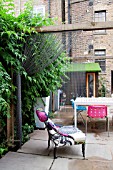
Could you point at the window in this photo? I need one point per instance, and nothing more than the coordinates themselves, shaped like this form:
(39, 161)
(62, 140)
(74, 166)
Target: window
(100, 52)
(101, 58)
(100, 16)
(63, 10)
(101, 63)
(39, 10)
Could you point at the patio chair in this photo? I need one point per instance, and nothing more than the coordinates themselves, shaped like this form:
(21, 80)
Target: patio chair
(62, 135)
(98, 112)
(79, 109)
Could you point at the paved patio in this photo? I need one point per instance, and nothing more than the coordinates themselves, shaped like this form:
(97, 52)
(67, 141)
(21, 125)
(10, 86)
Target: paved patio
(34, 155)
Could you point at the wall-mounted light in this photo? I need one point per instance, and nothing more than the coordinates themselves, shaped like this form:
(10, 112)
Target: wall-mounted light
(91, 2)
(90, 46)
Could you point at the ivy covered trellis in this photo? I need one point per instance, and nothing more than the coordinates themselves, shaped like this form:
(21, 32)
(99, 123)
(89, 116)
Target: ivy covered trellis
(30, 60)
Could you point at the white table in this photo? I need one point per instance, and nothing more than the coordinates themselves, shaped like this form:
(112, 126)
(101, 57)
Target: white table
(86, 101)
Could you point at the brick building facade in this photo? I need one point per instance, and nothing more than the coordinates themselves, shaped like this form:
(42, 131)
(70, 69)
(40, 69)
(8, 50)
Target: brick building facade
(85, 46)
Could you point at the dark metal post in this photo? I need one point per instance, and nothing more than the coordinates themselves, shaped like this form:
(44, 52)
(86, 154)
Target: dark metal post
(69, 33)
(63, 21)
(69, 13)
(49, 8)
(63, 10)
(18, 111)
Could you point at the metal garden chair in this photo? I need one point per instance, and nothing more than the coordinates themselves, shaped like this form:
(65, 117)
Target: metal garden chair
(62, 135)
(98, 112)
(79, 109)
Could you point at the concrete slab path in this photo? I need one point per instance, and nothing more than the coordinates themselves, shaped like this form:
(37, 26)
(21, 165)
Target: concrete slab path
(34, 155)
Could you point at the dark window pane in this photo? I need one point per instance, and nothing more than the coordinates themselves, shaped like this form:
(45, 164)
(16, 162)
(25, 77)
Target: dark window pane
(102, 64)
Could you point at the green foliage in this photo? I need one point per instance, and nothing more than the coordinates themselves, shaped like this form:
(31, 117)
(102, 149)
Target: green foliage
(14, 34)
(102, 87)
(5, 93)
(29, 19)
(51, 115)
(27, 129)
(3, 150)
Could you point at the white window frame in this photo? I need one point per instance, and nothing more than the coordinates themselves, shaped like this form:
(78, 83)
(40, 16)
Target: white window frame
(40, 9)
(100, 16)
(100, 53)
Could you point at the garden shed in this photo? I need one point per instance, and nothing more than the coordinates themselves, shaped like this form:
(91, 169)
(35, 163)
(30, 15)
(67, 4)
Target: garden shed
(83, 80)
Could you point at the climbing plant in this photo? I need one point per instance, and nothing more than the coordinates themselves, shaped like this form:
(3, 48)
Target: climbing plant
(14, 35)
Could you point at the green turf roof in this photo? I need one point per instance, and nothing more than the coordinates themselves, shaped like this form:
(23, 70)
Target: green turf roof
(84, 67)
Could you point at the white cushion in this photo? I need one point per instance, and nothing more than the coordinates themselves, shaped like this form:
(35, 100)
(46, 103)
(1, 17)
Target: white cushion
(78, 136)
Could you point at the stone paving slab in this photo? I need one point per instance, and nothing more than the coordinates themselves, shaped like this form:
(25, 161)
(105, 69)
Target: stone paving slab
(61, 164)
(39, 134)
(98, 151)
(34, 155)
(19, 161)
(89, 165)
(38, 147)
(96, 146)
(77, 164)
(100, 138)
(74, 151)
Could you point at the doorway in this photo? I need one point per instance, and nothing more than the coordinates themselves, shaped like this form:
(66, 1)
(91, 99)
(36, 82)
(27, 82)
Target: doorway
(91, 84)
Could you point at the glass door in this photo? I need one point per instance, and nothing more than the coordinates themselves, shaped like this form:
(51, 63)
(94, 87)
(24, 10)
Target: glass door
(90, 84)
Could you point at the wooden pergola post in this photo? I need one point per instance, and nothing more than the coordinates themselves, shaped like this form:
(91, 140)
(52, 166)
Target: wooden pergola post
(89, 26)
(10, 120)
(10, 125)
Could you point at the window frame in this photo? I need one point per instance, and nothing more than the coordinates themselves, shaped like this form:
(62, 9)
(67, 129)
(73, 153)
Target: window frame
(101, 17)
(101, 58)
(101, 52)
(39, 9)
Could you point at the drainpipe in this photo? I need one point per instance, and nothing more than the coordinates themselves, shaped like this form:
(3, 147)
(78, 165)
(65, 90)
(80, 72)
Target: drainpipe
(69, 16)
(69, 33)
(63, 21)
(49, 8)
(63, 10)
